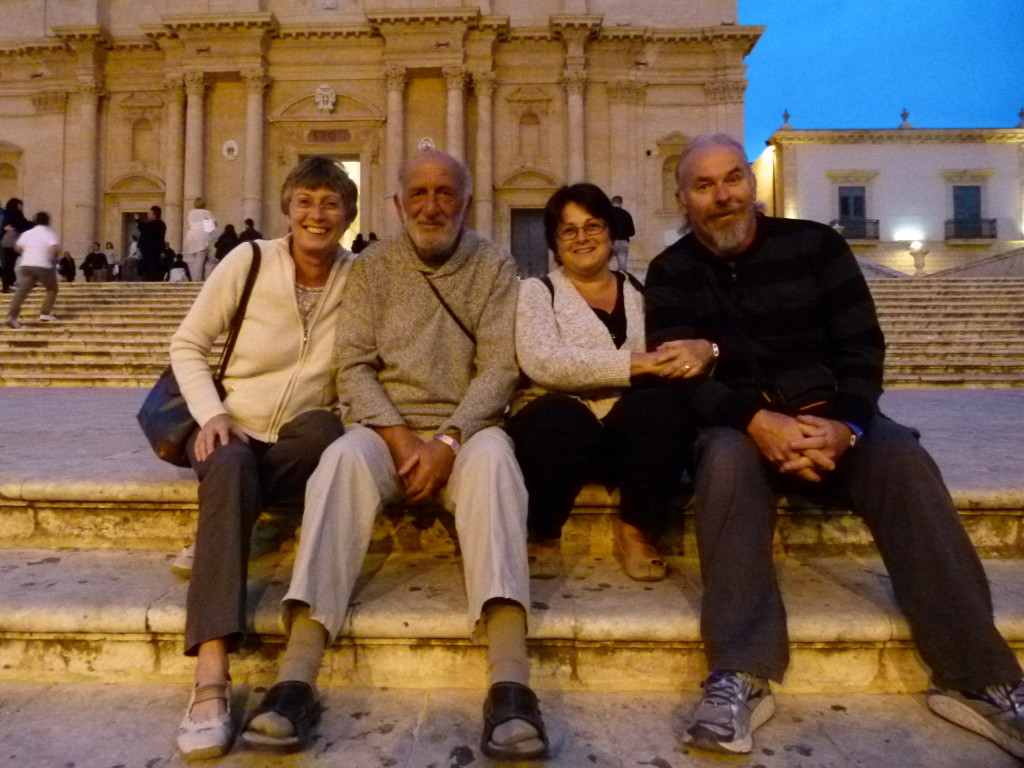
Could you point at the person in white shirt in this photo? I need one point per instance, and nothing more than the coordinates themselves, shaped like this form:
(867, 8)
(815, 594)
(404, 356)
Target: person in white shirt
(37, 264)
(198, 235)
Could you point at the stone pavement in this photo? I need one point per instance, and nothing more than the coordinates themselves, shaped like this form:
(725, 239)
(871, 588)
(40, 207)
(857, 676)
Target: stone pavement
(132, 726)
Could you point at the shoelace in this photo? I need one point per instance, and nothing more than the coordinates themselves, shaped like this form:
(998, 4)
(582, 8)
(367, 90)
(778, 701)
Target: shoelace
(726, 687)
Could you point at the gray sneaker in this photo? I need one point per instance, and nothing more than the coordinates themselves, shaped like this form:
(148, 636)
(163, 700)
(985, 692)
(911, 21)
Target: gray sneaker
(735, 704)
(997, 712)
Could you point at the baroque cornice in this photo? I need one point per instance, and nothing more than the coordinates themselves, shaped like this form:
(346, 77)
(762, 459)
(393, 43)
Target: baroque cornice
(583, 23)
(325, 31)
(427, 16)
(899, 136)
(82, 34)
(28, 48)
(227, 22)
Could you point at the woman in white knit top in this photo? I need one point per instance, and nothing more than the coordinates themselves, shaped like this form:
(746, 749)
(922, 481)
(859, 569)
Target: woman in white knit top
(261, 434)
(580, 341)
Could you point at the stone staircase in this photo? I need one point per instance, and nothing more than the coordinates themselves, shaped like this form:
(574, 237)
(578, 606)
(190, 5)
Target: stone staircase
(966, 332)
(89, 521)
(940, 332)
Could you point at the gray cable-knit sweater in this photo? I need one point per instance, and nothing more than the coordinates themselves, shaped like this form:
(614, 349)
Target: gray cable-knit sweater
(402, 359)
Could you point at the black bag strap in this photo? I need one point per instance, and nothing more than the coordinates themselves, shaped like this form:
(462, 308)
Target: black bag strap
(449, 310)
(239, 316)
(629, 276)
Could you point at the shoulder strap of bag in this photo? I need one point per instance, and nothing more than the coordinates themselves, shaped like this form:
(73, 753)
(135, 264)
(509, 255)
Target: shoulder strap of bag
(551, 287)
(449, 310)
(236, 319)
(633, 281)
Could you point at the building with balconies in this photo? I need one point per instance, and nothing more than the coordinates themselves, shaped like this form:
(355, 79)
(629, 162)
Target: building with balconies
(919, 200)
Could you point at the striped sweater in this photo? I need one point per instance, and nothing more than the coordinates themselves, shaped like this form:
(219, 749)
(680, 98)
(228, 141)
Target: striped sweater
(799, 299)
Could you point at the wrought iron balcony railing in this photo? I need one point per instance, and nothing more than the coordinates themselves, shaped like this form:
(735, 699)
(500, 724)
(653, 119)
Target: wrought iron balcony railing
(857, 229)
(970, 229)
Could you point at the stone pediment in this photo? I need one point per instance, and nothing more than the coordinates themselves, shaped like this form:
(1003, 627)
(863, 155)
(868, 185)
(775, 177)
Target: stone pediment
(142, 100)
(345, 108)
(529, 178)
(136, 183)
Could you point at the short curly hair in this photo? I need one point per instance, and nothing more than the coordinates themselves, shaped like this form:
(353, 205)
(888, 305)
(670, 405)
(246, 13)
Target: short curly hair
(319, 172)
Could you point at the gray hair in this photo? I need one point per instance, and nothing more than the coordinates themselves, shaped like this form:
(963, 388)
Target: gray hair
(319, 172)
(461, 171)
(703, 141)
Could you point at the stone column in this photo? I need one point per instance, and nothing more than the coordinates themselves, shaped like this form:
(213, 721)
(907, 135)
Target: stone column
(195, 88)
(394, 77)
(483, 192)
(455, 123)
(624, 100)
(174, 136)
(256, 82)
(84, 201)
(575, 81)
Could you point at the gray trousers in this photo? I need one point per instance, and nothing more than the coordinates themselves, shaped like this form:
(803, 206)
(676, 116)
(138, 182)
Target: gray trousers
(235, 483)
(892, 483)
(27, 279)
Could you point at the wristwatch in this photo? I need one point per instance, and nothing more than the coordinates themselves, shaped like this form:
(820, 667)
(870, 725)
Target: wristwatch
(450, 441)
(856, 433)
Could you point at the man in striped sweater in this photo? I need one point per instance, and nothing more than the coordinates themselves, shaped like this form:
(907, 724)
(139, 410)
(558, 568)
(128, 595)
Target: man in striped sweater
(793, 401)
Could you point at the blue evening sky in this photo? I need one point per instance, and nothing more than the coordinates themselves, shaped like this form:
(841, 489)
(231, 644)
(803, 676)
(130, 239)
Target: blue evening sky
(858, 63)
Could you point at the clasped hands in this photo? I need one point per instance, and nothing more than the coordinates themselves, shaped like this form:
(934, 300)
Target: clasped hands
(805, 446)
(424, 466)
(681, 359)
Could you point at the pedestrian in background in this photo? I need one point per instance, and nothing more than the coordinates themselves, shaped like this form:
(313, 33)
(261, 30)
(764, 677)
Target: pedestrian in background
(66, 268)
(38, 249)
(14, 223)
(226, 242)
(200, 226)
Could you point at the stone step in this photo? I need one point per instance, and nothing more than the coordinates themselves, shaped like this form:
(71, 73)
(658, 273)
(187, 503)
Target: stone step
(85, 725)
(61, 380)
(115, 615)
(954, 381)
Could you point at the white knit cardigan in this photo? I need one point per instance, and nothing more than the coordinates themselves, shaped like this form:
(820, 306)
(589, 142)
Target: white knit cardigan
(562, 346)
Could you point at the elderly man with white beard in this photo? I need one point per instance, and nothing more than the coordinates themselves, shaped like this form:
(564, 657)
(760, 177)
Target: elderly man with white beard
(426, 367)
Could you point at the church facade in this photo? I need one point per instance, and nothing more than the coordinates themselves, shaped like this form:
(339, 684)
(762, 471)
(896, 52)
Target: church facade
(110, 106)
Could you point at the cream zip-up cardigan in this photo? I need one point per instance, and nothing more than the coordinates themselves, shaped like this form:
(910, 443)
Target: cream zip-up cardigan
(277, 370)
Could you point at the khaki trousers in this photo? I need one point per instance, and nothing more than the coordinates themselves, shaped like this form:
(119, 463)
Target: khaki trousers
(356, 478)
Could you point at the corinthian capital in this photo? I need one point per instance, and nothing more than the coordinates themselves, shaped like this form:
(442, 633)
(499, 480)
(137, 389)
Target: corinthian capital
(394, 77)
(195, 83)
(575, 80)
(483, 83)
(455, 78)
(256, 80)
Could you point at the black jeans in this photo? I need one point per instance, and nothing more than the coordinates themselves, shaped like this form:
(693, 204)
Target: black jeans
(235, 483)
(894, 484)
(641, 447)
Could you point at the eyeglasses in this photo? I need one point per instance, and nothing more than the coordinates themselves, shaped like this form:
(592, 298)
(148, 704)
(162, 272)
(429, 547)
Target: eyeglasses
(570, 232)
(327, 205)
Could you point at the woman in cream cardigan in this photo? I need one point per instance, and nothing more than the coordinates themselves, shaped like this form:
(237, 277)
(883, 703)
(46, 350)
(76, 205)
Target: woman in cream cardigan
(260, 441)
(589, 413)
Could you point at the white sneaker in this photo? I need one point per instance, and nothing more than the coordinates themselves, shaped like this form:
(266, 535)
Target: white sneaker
(210, 738)
(48, 318)
(182, 565)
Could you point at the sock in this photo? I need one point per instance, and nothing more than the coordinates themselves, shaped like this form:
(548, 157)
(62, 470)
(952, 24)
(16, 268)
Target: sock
(507, 662)
(307, 642)
(506, 643)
